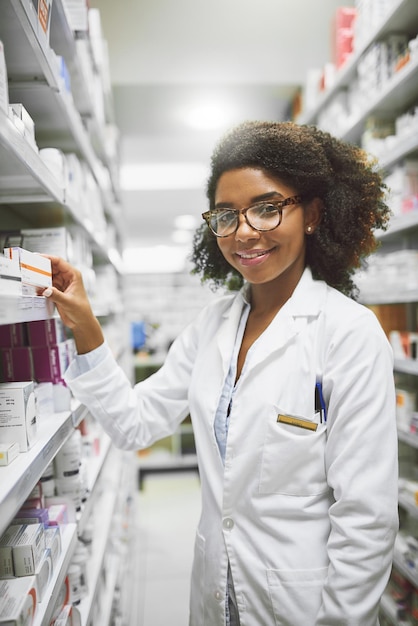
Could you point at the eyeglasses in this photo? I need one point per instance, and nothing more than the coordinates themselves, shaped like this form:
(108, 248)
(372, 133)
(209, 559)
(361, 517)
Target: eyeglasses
(262, 216)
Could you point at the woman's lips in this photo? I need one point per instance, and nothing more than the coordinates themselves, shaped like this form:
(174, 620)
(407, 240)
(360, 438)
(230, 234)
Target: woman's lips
(253, 257)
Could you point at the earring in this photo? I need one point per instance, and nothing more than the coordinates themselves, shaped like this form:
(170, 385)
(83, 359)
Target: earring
(309, 230)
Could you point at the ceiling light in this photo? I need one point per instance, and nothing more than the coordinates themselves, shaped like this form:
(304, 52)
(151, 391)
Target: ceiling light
(155, 259)
(185, 222)
(155, 176)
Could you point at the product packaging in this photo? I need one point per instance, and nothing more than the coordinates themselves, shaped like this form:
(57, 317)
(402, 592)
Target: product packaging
(6, 552)
(25, 123)
(18, 423)
(28, 549)
(46, 332)
(8, 452)
(18, 600)
(43, 574)
(53, 543)
(35, 270)
(16, 364)
(4, 89)
(50, 362)
(10, 278)
(12, 335)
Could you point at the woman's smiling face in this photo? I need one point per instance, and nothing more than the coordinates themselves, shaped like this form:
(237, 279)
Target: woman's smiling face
(262, 257)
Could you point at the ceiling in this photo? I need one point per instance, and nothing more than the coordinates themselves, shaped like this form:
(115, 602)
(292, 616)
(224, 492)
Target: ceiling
(234, 58)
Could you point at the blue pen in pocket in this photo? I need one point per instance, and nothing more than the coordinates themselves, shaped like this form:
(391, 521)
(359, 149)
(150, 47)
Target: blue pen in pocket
(320, 403)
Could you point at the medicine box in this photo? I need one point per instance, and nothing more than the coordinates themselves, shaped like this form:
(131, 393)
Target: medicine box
(10, 278)
(35, 270)
(28, 549)
(18, 423)
(53, 543)
(18, 601)
(43, 574)
(50, 362)
(6, 552)
(8, 452)
(46, 332)
(16, 364)
(12, 335)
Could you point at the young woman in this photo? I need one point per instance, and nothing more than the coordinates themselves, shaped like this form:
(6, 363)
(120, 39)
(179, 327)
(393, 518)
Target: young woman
(288, 382)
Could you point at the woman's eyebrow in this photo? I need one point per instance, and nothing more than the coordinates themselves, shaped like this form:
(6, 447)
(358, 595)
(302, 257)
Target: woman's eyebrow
(259, 198)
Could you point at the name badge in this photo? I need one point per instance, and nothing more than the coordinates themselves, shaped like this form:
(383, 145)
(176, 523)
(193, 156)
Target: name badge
(299, 422)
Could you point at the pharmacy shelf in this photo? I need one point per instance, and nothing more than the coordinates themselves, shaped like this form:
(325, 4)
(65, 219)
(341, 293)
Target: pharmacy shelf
(28, 57)
(410, 438)
(391, 298)
(401, 148)
(104, 509)
(23, 174)
(45, 609)
(399, 225)
(401, 16)
(19, 478)
(94, 468)
(398, 93)
(14, 309)
(410, 573)
(408, 503)
(407, 366)
(389, 609)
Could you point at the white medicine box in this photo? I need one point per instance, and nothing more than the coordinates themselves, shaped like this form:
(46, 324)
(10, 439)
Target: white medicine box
(18, 419)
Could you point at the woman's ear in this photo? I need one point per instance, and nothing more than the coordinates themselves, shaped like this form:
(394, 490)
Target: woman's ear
(313, 215)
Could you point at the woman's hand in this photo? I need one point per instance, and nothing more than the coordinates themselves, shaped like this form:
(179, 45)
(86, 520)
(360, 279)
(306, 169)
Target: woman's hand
(70, 297)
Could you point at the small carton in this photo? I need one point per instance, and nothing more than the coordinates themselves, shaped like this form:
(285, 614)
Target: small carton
(18, 420)
(50, 362)
(8, 452)
(18, 601)
(10, 277)
(53, 543)
(28, 549)
(46, 332)
(6, 552)
(43, 574)
(35, 270)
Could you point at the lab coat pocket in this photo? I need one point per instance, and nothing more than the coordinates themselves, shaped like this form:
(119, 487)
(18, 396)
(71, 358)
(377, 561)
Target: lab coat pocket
(296, 595)
(293, 460)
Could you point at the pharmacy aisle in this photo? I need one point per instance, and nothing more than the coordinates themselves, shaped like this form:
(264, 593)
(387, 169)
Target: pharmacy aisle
(168, 508)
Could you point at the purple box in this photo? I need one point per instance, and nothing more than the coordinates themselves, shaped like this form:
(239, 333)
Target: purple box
(12, 335)
(50, 363)
(16, 364)
(46, 332)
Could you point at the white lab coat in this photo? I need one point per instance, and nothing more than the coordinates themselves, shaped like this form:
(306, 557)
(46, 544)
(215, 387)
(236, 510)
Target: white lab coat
(306, 519)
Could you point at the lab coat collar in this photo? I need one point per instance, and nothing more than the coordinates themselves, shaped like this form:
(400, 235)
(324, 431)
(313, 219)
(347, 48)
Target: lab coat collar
(306, 301)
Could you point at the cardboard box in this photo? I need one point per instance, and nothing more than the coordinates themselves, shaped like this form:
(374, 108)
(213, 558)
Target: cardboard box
(6, 552)
(13, 335)
(43, 574)
(50, 362)
(35, 270)
(10, 277)
(28, 549)
(18, 419)
(8, 452)
(53, 543)
(46, 332)
(18, 600)
(16, 364)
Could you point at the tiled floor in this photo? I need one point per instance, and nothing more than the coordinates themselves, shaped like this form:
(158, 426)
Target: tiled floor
(168, 512)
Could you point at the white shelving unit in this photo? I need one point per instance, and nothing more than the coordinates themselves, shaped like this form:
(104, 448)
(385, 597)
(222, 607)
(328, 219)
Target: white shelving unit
(395, 97)
(31, 196)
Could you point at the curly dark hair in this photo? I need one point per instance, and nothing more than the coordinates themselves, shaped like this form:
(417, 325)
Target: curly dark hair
(317, 165)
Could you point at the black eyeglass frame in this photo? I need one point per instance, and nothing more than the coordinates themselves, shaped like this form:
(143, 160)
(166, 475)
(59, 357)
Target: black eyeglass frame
(278, 204)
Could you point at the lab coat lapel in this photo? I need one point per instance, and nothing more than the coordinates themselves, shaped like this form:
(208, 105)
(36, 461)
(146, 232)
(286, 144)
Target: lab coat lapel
(225, 337)
(306, 301)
